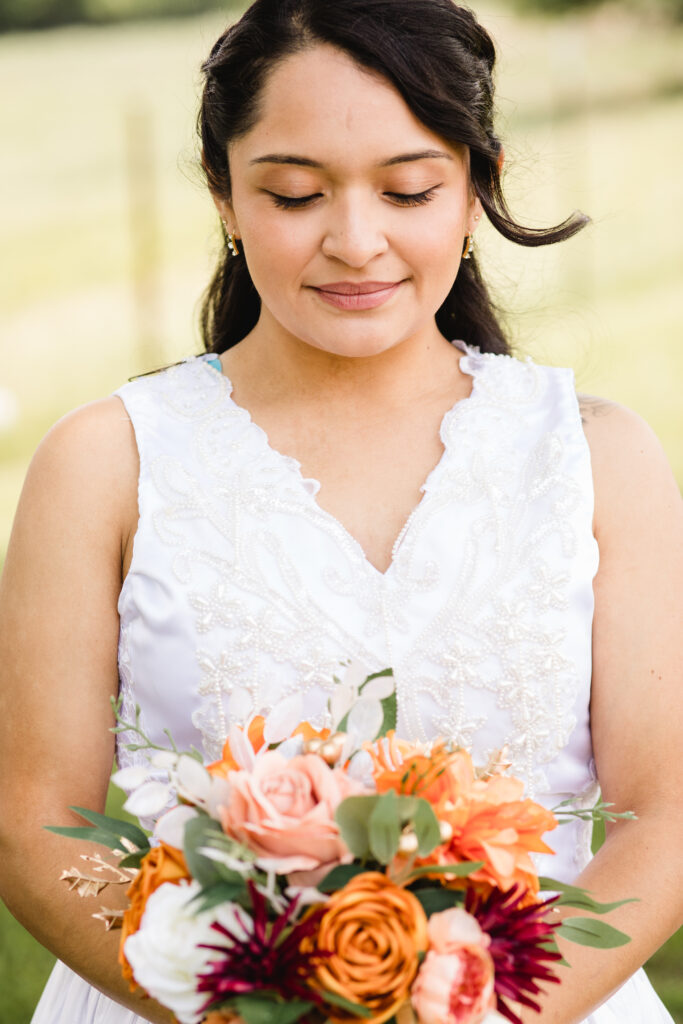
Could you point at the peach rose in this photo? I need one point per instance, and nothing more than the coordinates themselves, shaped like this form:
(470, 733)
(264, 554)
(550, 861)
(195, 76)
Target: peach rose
(455, 982)
(162, 864)
(283, 810)
(454, 988)
(372, 933)
(450, 929)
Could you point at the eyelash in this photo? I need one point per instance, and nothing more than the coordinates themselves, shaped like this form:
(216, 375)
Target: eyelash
(401, 198)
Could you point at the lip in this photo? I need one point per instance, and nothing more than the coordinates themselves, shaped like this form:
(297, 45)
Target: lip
(357, 295)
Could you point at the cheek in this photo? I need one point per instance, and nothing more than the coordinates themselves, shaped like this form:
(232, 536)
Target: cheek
(278, 245)
(436, 251)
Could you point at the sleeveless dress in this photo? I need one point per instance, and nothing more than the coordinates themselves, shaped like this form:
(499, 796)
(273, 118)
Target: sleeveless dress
(242, 590)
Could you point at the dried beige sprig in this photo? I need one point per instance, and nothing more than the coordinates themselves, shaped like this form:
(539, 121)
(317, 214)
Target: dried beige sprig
(92, 884)
(112, 918)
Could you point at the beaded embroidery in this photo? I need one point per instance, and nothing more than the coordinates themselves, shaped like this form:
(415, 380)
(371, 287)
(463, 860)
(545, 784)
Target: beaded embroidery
(472, 613)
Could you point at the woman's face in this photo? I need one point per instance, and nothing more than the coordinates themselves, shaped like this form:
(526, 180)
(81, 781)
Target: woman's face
(351, 213)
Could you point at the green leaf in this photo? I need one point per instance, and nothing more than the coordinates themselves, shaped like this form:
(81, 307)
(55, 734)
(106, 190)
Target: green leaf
(426, 827)
(384, 828)
(87, 834)
(390, 709)
(334, 999)
(586, 931)
(389, 704)
(116, 827)
(572, 896)
(133, 860)
(352, 816)
(435, 900)
(220, 892)
(198, 832)
(260, 1008)
(459, 870)
(339, 876)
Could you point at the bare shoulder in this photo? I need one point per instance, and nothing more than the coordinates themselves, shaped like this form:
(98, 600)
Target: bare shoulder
(631, 472)
(86, 468)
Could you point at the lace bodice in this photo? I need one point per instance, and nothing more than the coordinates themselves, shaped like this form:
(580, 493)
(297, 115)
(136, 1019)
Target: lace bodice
(242, 589)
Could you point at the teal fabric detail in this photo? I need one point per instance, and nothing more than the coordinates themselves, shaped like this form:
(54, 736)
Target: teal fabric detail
(216, 363)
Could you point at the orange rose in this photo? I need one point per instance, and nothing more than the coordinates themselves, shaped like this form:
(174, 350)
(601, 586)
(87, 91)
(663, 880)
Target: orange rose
(162, 864)
(371, 933)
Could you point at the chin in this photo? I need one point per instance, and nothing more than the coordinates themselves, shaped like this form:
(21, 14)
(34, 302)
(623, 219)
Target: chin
(354, 348)
(362, 339)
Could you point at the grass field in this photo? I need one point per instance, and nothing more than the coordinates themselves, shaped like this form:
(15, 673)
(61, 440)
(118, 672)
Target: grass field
(589, 108)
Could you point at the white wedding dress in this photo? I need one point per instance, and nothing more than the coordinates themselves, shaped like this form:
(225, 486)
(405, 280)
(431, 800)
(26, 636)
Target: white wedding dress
(242, 589)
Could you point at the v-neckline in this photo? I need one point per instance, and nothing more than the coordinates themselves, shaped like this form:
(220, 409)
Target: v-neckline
(310, 487)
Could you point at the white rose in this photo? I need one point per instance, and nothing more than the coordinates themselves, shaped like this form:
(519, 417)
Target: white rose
(165, 953)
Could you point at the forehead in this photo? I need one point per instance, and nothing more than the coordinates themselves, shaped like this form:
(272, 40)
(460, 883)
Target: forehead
(321, 104)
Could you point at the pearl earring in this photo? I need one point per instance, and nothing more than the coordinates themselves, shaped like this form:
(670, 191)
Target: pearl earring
(232, 241)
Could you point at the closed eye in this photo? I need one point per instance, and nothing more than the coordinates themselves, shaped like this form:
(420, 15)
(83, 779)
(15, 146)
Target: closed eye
(293, 202)
(400, 198)
(413, 198)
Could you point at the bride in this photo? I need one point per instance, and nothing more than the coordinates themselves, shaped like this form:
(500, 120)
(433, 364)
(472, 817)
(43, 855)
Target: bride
(357, 467)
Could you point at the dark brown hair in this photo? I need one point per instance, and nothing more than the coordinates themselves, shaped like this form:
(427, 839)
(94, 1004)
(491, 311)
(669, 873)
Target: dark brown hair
(440, 60)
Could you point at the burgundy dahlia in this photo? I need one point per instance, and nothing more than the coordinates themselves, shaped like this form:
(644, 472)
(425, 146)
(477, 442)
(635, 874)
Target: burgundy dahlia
(519, 945)
(269, 958)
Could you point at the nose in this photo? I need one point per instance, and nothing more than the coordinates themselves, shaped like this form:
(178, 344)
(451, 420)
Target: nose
(354, 232)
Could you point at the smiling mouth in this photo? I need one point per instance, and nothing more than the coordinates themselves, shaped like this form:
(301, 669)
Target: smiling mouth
(350, 295)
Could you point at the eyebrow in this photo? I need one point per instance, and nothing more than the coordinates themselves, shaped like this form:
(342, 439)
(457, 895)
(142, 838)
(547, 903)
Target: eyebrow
(302, 161)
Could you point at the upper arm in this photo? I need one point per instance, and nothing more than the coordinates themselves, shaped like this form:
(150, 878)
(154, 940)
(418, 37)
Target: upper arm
(58, 614)
(636, 704)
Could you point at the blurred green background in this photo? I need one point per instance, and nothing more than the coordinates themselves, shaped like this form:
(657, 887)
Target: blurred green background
(108, 237)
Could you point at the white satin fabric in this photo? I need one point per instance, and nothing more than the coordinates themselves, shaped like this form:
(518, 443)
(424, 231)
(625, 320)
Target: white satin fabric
(242, 589)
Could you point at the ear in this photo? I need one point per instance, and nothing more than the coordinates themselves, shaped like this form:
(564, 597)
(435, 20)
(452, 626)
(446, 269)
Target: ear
(226, 214)
(476, 211)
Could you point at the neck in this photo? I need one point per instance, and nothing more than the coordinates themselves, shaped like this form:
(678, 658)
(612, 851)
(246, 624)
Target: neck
(282, 366)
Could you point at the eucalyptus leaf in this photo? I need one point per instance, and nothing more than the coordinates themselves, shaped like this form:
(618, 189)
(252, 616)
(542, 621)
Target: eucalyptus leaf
(407, 808)
(384, 828)
(198, 833)
(426, 827)
(352, 816)
(586, 931)
(573, 896)
(87, 834)
(125, 829)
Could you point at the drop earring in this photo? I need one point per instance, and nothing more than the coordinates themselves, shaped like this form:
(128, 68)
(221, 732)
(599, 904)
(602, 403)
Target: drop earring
(469, 245)
(231, 240)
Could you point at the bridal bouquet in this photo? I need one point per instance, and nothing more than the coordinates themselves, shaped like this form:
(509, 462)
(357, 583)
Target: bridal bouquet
(343, 874)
